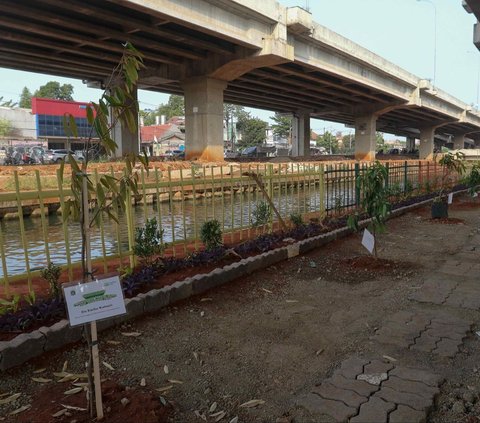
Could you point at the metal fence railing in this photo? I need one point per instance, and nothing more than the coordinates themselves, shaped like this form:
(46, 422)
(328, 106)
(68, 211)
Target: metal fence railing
(33, 232)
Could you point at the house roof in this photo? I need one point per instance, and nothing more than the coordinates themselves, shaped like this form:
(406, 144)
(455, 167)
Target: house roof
(158, 132)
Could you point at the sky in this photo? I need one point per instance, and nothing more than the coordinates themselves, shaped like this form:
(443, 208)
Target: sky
(401, 31)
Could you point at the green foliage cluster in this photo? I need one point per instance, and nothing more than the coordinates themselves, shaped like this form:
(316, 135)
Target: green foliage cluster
(374, 199)
(175, 106)
(282, 126)
(472, 180)
(53, 89)
(10, 306)
(453, 165)
(329, 142)
(117, 103)
(253, 131)
(211, 234)
(5, 127)
(25, 99)
(51, 274)
(297, 220)
(261, 214)
(149, 241)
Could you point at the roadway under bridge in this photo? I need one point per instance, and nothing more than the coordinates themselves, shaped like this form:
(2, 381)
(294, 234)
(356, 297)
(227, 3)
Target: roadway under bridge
(246, 52)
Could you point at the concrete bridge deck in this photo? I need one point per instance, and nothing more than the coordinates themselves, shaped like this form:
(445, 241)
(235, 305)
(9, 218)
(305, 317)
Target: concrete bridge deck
(258, 54)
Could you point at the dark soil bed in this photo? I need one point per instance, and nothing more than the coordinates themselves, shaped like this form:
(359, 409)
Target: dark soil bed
(448, 221)
(142, 405)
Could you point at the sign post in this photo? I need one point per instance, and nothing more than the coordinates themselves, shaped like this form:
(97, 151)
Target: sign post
(87, 303)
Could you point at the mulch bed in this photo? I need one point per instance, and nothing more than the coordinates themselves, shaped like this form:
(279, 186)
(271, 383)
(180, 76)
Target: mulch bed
(143, 405)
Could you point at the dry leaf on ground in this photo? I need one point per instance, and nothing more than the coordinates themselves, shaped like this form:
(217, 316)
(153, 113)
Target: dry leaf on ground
(252, 403)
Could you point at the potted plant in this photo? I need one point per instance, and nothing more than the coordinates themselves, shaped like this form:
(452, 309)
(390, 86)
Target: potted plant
(452, 166)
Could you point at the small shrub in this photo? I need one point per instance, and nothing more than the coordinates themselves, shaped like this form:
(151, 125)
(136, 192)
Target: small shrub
(148, 241)
(297, 220)
(211, 234)
(472, 180)
(374, 200)
(338, 204)
(10, 306)
(51, 274)
(261, 214)
(408, 189)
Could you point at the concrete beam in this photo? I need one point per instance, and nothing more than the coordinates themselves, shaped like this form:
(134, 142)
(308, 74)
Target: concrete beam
(427, 137)
(301, 134)
(365, 137)
(245, 22)
(204, 118)
(410, 144)
(459, 141)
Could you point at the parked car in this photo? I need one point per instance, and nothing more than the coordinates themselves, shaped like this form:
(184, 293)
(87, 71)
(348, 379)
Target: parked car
(249, 152)
(394, 151)
(56, 156)
(178, 154)
(230, 154)
(3, 155)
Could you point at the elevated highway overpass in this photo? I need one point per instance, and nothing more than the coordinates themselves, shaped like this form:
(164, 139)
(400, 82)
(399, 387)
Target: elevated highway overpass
(258, 54)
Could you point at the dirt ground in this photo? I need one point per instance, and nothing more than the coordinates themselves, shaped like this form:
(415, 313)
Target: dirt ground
(275, 334)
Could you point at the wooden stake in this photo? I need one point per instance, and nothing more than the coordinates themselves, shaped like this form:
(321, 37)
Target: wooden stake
(96, 371)
(260, 184)
(93, 325)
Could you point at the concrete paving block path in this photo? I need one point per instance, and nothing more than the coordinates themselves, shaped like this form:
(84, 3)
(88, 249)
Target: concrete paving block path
(405, 393)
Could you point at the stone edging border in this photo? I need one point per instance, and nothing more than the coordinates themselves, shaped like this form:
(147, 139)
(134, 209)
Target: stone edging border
(33, 344)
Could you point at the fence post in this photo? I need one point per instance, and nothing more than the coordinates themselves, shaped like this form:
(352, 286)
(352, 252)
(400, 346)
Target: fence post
(322, 191)
(270, 192)
(405, 176)
(387, 166)
(357, 186)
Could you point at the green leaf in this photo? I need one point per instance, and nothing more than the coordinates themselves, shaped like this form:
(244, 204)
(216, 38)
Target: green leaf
(90, 115)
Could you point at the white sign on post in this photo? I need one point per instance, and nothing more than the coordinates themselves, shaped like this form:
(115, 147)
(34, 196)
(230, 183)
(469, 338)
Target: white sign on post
(91, 301)
(368, 241)
(450, 198)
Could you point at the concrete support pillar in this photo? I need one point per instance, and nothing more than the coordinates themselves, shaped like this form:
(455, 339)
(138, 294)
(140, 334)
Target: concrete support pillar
(204, 118)
(365, 137)
(127, 142)
(410, 144)
(459, 141)
(301, 134)
(477, 143)
(427, 136)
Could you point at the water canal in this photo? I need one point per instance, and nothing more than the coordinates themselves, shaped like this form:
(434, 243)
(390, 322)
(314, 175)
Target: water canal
(180, 220)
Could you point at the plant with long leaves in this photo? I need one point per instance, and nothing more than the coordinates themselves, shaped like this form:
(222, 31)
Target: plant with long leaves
(374, 202)
(453, 166)
(117, 105)
(472, 180)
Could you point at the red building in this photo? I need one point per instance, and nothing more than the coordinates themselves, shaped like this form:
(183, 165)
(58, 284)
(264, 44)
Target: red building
(49, 117)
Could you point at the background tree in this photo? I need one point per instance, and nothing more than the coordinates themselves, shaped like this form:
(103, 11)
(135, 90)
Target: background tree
(148, 117)
(5, 127)
(380, 141)
(232, 112)
(175, 106)
(329, 142)
(348, 143)
(253, 130)
(25, 99)
(54, 90)
(282, 126)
